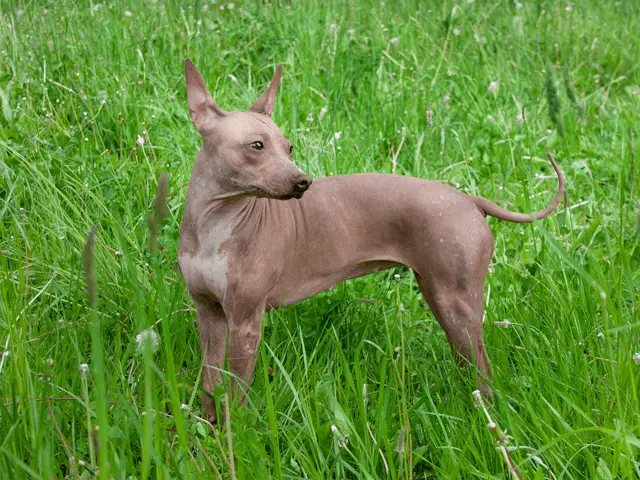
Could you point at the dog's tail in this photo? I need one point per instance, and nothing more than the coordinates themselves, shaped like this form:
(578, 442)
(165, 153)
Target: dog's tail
(490, 208)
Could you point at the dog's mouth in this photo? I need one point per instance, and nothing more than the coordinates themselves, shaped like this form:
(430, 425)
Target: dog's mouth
(288, 196)
(297, 196)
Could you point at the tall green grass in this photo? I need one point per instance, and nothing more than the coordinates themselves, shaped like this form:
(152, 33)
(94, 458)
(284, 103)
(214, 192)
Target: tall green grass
(359, 381)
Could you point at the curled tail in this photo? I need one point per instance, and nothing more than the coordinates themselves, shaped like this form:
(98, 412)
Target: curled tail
(490, 208)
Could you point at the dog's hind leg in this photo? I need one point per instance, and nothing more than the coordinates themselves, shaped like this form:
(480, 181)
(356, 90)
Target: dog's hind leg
(453, 285)
(459, 313)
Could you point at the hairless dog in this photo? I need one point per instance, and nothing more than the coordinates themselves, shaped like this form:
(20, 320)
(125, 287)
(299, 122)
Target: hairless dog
(257, 235)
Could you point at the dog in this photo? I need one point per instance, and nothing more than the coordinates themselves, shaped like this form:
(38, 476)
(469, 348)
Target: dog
(258, 233)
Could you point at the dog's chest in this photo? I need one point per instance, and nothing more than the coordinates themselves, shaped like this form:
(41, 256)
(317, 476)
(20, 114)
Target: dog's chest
(205, 268)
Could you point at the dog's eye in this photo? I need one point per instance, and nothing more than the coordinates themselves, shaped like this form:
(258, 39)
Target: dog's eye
(257, 145)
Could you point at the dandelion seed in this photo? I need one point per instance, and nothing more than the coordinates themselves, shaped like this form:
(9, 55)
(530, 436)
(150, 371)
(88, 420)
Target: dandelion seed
(493, 85)
(140, 140)
(146, 338)
(127, 13)
(84, 369)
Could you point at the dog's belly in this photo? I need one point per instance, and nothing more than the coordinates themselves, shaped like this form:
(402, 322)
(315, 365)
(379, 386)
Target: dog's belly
(303, 288)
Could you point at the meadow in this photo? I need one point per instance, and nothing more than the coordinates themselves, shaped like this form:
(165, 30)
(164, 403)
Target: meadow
(99, 356)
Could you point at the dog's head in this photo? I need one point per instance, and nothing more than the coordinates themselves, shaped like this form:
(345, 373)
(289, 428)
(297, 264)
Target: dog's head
(246, 150)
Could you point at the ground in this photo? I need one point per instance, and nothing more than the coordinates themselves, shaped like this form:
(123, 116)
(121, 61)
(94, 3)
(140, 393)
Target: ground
(357, 382)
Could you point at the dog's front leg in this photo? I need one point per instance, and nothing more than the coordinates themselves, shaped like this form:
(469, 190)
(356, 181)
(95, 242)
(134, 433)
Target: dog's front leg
(212, 325)
(244, 336)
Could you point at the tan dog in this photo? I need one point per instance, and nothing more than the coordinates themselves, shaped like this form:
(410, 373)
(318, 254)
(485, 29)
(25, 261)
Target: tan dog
(250, 241)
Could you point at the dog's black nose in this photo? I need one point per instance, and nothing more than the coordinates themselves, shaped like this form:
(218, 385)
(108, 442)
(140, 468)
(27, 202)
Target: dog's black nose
(303, 184)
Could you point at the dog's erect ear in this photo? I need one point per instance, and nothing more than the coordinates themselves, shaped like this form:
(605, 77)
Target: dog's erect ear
(203, 108)
(267, 100)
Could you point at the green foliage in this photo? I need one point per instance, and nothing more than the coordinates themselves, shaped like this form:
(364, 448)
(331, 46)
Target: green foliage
(358, 382)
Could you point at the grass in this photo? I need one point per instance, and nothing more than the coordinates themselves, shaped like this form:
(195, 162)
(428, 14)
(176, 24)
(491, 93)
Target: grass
(469, 93)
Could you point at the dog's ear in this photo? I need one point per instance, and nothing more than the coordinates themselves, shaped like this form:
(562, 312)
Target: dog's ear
(267, 100)
(203, 108)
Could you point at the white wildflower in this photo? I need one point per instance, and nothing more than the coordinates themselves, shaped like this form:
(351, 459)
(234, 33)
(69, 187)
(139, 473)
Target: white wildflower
(503, 324)
(636, 357)
(140, 140)
(84, 369)
(127, 13)
(456, 31)
(147, 337)
(493, 85)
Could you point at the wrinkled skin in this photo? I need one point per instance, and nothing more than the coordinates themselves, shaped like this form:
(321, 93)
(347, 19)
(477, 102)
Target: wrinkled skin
(257, 235)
